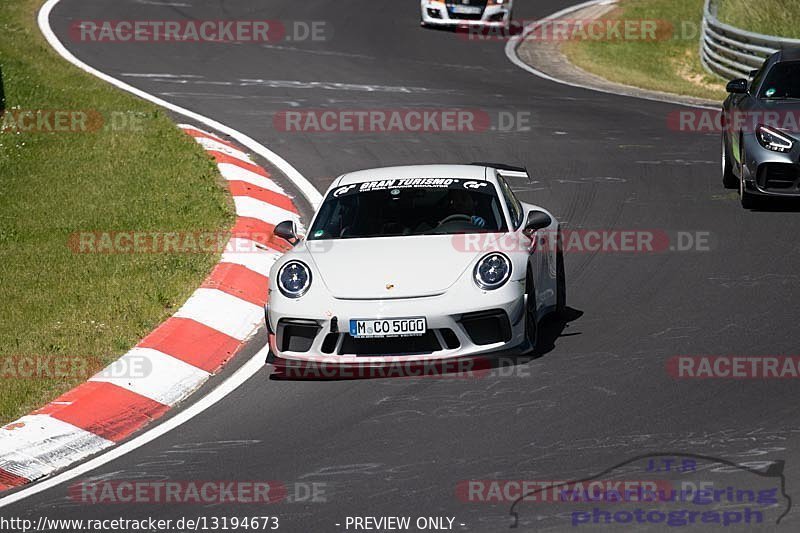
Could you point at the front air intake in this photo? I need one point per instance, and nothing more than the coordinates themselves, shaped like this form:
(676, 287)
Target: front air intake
(487, 327)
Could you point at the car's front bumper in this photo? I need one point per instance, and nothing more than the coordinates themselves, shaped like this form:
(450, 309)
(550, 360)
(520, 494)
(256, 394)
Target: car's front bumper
(315, 327)
(768, 173)
(439, 13)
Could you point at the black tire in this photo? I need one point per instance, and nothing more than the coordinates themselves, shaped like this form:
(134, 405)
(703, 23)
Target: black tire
(531, 324)
(729, 179)
(748, 200)
(561, 278)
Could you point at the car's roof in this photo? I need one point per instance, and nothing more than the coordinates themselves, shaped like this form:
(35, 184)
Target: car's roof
(470, 172)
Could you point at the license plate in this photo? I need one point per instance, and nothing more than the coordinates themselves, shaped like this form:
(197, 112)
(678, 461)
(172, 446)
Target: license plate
(388, 327)
(466, 10)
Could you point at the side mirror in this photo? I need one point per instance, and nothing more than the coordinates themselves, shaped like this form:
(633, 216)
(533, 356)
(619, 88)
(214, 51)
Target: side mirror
(537, 220)
(737, 86)
(287, 231)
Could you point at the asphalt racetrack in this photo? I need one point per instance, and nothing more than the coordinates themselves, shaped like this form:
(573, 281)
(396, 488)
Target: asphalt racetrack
(600, 393)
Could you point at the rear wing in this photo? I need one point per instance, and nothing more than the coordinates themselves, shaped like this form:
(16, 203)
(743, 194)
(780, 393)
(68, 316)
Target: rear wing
(507, 171)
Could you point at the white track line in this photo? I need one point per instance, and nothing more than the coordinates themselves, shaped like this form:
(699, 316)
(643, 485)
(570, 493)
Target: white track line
(511, 53)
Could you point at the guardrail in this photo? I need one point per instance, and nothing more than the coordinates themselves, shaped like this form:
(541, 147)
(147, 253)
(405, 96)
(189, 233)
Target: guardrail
(732, 52)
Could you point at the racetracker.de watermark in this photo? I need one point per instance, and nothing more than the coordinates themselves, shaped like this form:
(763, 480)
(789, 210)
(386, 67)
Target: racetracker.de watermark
(402, 120)
(16, 121)
(420, 120)
(72, 367)
(204, 492)
(714, 121)
(168, 242)
(177, 492)
(393, 366)
(199, 31)
(590, 29)
(597, 490)
(579, 241)
(734, 367)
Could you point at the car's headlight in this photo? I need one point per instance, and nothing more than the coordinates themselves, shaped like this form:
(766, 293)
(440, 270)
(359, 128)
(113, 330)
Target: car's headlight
(492, 271)
(772, 139)
(294, 279)
(498, 2)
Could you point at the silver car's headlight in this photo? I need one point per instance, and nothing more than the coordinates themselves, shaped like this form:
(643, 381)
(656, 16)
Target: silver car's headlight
(492, 271)
(294, 279)
(772, 139)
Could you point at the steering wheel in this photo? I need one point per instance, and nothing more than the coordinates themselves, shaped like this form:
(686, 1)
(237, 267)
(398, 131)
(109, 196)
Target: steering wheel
(451, 218)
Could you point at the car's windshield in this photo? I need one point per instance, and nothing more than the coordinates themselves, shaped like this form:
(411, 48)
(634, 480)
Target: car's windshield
(419, 206)
(783, 81)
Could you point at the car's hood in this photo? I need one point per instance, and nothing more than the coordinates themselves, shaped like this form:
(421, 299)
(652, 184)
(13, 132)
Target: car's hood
(389, 267)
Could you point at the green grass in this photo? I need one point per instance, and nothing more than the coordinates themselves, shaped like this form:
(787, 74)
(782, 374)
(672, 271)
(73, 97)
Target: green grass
(91, 306)
(665, 64)
(773, 17)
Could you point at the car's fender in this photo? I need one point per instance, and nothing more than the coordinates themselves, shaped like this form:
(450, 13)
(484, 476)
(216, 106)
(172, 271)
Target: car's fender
(543, 260)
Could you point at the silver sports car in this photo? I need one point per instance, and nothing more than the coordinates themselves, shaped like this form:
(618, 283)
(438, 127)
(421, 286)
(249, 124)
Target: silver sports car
(761, 123)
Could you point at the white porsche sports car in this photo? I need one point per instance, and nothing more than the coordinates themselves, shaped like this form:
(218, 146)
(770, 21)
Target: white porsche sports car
(466, 12)
(418, 262)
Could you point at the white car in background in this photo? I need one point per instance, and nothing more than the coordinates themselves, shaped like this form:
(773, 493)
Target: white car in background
(466, 12)
(417, 262)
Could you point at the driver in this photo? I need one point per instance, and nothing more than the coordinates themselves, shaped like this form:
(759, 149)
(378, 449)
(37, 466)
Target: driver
(460, 203)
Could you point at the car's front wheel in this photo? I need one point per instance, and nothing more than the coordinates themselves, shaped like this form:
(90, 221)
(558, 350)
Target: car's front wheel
(747, 199)
(728, 178)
